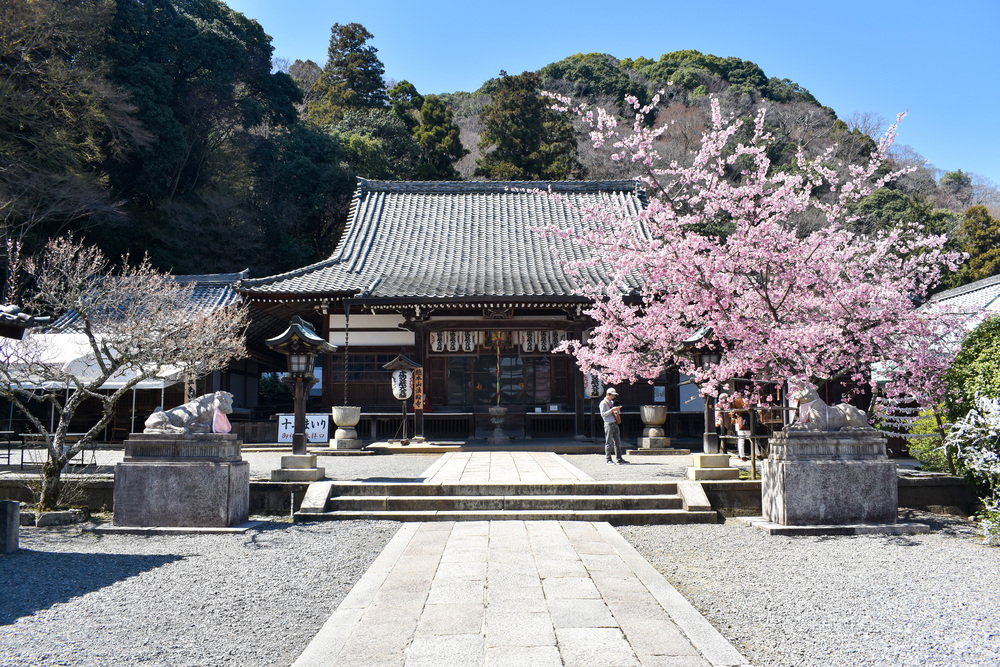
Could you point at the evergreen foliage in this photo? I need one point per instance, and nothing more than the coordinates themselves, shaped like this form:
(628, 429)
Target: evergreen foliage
(980, 237)
(522, 138)
(440, 144)
(975, 371)
(352, 78)
(173, 120)
(60, 121)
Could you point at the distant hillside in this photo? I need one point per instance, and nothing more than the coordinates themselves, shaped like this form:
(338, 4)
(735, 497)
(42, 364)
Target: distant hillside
(689, 79)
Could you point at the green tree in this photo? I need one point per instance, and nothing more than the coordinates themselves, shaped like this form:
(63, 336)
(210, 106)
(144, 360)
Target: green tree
(406, 102)
(438, 137)
(201, 76)
(352, 77)
(59, 120)
(980, 237)
(887, 208)
(378, 144)
(522, 138)
(595, 74)
(956, 182)
(976, 369)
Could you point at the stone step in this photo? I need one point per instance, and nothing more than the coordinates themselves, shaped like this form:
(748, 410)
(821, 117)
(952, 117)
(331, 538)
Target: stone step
(617, 502)
(622, 517)
(497, 503)
(501, 488)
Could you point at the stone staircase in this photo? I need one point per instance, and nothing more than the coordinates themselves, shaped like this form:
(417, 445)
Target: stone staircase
(617, 502)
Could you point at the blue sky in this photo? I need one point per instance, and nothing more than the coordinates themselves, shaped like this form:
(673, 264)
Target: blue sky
(938, 60)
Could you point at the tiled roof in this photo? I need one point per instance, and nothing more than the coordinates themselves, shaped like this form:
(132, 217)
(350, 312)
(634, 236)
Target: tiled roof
(453, 240)
(978, 300)
(974, 297)
(211, 291)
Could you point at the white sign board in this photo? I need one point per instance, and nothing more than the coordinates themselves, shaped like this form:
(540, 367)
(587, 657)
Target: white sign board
(317, 427)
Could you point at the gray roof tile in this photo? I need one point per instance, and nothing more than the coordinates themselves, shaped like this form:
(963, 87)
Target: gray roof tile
(452, 240)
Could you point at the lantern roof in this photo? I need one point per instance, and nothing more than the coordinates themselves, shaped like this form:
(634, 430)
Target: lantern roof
(401, 362)
(300, 335)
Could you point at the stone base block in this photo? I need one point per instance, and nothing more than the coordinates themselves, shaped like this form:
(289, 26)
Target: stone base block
(182, 493)
(62, 518)
(710, 460)
(713, 473)
(829, 491)
(201, 446)
(10, 526)
(298, 461)
(298, 474)
(845, 529)
(346, 443)
(654, 442)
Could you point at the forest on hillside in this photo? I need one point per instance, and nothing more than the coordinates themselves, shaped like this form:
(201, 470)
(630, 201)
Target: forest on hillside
(166, 127)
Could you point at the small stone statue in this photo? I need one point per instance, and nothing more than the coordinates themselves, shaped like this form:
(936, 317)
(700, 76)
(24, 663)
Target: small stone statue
(196, 416)
(815, 415)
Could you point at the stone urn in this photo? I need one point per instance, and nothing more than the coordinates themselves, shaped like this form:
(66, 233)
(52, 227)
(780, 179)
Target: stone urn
(346, 417)
(498, 414)
(653, 417)
(653, 435)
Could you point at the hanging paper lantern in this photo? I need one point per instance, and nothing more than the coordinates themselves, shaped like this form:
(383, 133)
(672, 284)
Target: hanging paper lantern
(454, 341)
(528, 340)
(469, 340)
(593, 387)
(437, 341)
(402, 384)
(544, 341)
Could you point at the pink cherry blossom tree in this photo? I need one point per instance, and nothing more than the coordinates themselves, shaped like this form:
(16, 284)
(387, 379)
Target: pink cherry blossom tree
(775, 303)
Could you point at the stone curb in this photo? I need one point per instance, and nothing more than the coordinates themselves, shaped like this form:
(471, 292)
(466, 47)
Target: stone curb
(330, 639)
(715, 648)
(173, 530)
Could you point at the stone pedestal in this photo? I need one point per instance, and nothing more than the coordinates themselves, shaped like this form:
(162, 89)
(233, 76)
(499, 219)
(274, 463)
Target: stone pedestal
(498, 414)
(653, 436)
(346, 417)
(189, 480)
(828, 478)
(711, 466)
(10, 526)
(298, 468)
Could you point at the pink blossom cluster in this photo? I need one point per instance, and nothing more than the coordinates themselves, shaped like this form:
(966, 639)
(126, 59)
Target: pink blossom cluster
(777, 305)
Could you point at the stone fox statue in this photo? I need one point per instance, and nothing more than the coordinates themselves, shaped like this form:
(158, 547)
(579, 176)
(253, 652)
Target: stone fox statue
(193, 417)
(815, 415)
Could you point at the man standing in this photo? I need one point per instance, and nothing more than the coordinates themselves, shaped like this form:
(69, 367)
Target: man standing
(611, 414)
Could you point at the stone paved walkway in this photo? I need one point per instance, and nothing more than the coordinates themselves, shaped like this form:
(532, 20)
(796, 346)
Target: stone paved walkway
(498, 593)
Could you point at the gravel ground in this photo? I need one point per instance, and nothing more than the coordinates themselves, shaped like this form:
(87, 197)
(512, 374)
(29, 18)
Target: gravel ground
(929, 599)
(72, 598)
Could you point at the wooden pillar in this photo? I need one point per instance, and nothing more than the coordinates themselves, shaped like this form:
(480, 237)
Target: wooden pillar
(419, 354)
(327, 389)
(579, 406)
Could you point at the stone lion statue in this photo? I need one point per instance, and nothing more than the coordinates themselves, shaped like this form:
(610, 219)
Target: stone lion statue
(195, 416)
(815, 415)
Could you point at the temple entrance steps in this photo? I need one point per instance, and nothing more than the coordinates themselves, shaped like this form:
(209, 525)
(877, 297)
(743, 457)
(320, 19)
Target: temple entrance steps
(617, 502)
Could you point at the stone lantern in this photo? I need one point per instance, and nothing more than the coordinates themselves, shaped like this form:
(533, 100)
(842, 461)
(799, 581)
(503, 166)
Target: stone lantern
(300, 345)
(710, 439)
